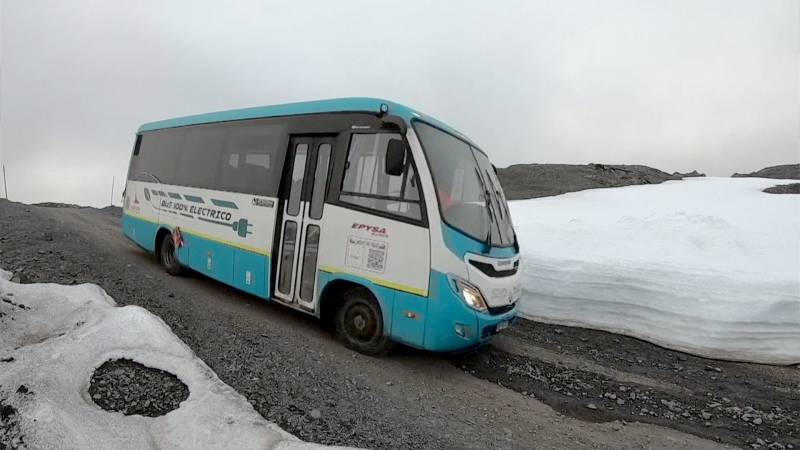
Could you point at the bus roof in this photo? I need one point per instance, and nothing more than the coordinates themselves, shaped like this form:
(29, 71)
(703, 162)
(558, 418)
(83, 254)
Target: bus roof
(335, 105)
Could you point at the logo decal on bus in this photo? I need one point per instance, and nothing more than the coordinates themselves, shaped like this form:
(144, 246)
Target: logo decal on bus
(264, 202)
(371, 229)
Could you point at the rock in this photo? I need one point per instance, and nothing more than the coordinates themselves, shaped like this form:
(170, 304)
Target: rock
(757, 421)
(523, 181)
(591, 406)
(315, 414)
(705, 415)
(671, 405)
(691, 174)
(783, 172)
(620, 401)
(792, 188)
(22, 389)
(558, 331)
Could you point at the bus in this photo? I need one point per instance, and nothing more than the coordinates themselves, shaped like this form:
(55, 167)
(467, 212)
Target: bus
(365, 213)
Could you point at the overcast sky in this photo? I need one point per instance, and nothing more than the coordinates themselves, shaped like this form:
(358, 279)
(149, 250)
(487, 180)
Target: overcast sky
(678, 85)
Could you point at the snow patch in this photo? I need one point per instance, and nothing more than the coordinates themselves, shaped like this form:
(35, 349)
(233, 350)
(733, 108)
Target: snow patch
(58, 335)
(709, 266)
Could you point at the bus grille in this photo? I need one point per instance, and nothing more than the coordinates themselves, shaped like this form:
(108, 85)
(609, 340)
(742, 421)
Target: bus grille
(489, 270)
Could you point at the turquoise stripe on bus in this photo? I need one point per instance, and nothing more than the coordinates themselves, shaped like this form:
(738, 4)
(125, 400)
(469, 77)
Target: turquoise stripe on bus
(224, 204)
(140, 231)
(229, 264)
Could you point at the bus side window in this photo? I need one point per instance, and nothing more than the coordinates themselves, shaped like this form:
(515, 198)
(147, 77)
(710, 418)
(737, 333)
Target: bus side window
(367, 184)
(250, 162)
(199, 160)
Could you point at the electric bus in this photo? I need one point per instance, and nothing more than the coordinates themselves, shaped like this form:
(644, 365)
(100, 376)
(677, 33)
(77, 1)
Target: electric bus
(363, 212)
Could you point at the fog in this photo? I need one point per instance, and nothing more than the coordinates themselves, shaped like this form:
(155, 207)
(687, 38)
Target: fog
(678, 85)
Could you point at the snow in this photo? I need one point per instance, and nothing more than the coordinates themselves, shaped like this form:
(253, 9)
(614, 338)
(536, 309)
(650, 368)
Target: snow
(709, 266)
(67, 332)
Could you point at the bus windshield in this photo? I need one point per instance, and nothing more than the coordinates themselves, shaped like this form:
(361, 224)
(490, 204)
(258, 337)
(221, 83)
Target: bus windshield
(468, 191)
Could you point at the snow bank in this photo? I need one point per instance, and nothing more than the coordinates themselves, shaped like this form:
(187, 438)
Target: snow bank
(710, 266)
(57, 335)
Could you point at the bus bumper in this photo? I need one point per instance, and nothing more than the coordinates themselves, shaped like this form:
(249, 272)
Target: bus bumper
(454, 326)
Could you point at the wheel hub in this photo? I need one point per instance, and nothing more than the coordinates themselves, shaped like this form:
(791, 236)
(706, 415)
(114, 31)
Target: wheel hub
(359, 322)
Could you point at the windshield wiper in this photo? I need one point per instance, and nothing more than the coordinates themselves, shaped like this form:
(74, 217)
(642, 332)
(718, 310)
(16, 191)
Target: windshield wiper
(502, 206)
(496, 195)
(489, 210)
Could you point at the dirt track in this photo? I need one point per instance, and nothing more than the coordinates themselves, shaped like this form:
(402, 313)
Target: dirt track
(538, 386)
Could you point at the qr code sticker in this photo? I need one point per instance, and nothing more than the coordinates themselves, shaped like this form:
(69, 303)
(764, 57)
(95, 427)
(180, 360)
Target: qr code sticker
(376, 258)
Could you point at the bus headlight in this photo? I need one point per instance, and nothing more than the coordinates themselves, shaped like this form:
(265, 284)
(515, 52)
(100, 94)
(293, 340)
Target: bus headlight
(471, 294)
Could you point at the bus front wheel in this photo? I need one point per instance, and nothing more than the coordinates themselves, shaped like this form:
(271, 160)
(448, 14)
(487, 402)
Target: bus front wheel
(359, 323)
(167, 256)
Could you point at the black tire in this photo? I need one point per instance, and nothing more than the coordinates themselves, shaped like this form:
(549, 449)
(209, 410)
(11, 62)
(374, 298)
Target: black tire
(167, 257)
(359, 323)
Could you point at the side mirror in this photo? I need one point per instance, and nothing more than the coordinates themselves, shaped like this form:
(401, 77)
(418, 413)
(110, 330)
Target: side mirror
(395, 157)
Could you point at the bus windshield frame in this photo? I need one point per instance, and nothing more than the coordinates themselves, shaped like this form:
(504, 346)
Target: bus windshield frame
(468, 191)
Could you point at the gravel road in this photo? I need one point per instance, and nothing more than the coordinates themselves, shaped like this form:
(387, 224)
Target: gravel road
(537, 386)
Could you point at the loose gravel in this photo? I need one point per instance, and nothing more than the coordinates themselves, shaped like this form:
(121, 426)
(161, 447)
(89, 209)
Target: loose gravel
(125, 386)
(590, 396)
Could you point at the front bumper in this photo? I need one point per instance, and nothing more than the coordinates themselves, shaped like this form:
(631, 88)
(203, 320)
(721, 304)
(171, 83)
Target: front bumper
(453, 326)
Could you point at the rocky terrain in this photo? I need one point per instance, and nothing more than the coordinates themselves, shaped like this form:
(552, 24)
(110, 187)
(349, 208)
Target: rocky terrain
(792, 188)
(537, 385)
(523, 181)
(782, 172)
(130, 388)
(691, 174)
(10, 435)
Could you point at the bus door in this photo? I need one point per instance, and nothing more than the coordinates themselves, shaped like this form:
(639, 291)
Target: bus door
(307, 168)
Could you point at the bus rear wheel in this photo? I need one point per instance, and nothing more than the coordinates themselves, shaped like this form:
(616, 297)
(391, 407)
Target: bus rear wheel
(359, 323)
(167, 256)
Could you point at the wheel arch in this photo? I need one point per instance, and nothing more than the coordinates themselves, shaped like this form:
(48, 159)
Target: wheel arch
(160, 234)
(330, 299)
